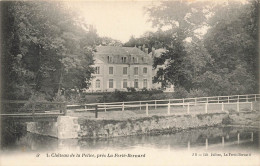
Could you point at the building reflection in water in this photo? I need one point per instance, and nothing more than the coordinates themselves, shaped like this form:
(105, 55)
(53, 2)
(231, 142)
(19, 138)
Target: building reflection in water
(210, 138)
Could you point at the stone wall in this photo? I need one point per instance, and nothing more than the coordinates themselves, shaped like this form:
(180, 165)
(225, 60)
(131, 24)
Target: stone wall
(80, 127)
(65, 127)
(113, 128)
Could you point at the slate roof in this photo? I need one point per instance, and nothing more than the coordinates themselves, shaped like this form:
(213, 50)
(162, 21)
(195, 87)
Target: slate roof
(117, 52)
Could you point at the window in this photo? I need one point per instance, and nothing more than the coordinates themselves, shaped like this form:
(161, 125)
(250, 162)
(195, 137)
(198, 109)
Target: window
(111, 83)
(124, 70)
(136, 83)
(136, 60)
(109, 59)
(111, 70)
(133, 59)
(145, 70)
(97, 83)
(125, 83)
(136, 71)
(97, 70)
(145, 83)
(123, 59)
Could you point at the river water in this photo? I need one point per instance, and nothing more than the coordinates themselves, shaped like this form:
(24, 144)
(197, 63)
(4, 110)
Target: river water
(217, 138)
(204, 146)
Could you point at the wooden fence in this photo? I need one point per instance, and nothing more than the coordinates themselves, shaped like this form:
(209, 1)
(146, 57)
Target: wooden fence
(186, 103)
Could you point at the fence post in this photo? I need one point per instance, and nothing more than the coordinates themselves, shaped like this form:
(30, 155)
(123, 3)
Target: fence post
(252, 136)
(238, 98)
(206, 143)
(64, 108)
(140, 105)
(155, 106)
(188, 145)
(33, 109)
(251, 106)
(169, 108)
(123, 107)
(207, 100)
(237, 106)
(206, 108)
(188, 108)
(147, 109)
(183, 102)
(246, 98)
(96, 111)
(195, 100)
(223, 141)
(228, 99)
(255, 97)
(105, 106)
(218, 99)
(222, 106)
(238, 138)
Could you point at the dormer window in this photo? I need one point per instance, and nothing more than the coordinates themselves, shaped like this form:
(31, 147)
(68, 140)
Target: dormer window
(110, 59)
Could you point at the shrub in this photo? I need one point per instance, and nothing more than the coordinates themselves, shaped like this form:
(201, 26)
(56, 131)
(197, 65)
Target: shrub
(131, 89)
(120, 96)
(180, 92)
(197, 93)
(35, 97)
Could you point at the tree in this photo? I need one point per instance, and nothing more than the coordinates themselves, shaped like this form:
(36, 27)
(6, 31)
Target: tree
(224, 61)
(232, 43)
(44, 43)
(176, 21)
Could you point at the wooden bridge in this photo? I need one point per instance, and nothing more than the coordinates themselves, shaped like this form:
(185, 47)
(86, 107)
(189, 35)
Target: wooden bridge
(24, 111)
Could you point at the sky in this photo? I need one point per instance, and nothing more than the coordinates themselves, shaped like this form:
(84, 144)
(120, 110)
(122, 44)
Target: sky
(118, 20)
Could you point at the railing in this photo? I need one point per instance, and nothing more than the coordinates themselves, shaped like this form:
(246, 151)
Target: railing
(222, 102)
(19, 108)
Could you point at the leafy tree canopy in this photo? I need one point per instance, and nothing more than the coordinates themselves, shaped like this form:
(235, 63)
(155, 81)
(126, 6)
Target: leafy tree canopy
(46, 47)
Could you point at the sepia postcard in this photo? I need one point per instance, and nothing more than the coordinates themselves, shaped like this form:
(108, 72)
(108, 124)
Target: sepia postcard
(133, 82)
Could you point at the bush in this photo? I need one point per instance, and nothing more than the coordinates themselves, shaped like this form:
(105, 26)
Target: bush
(59, 98)
(180, 92)
(131, 89)
(35, 97)
(197, 93)
(120, 96)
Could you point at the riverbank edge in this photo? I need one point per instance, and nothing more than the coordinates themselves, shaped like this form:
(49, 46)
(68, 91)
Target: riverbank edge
(68, 127)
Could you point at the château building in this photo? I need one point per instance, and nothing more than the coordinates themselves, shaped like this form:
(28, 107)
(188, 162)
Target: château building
(121, 67)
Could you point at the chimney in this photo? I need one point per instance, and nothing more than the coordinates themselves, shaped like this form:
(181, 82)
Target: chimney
(143, 49)
(146, 50)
